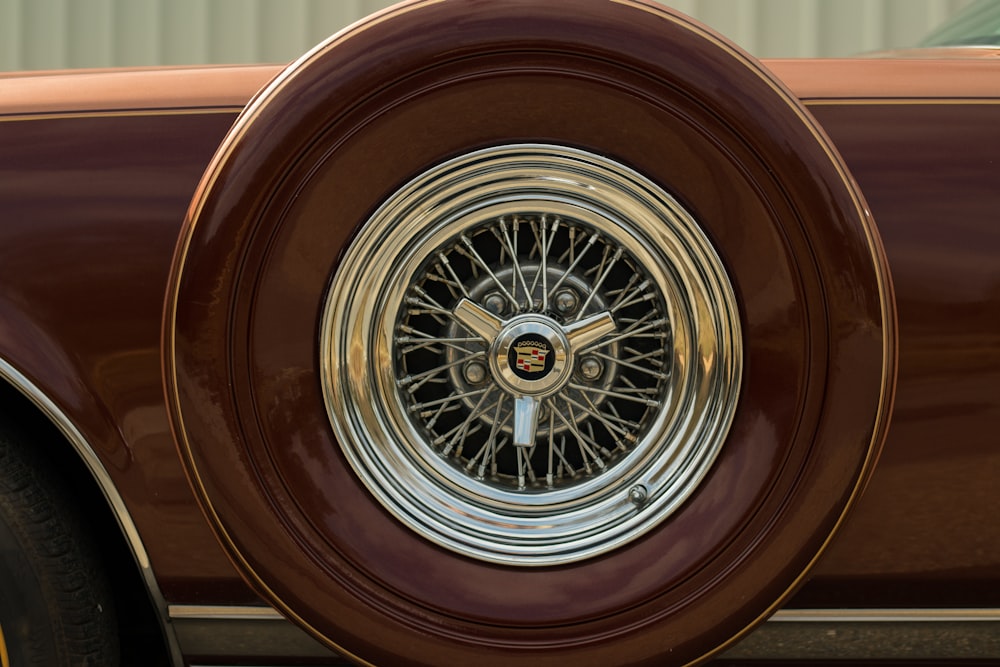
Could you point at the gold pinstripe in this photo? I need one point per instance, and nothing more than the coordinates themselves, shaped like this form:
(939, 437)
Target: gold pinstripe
(124, 113)
(194, 111)
(899, 101)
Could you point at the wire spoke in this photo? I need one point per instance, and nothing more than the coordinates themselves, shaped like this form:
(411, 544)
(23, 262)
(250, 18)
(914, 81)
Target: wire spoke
(596, 414)
(503, 236)
(413, 382)
(606, 270)
(486, 269)
(459, 434)
(629, 332)
(420, 406)
(650, 356)
(572, 267)
(545, 244)
(659, 375)
(451, 272)
(417, 340)
(588, 454)
(614, 394)
(488, 452)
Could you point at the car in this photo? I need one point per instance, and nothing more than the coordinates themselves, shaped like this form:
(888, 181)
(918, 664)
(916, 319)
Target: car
(502, 333)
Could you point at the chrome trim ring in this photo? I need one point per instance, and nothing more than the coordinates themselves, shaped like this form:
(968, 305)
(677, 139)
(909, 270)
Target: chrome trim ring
(528, 471)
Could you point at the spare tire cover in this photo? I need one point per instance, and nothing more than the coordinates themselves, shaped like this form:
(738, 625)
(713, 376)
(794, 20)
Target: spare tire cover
(518, 333)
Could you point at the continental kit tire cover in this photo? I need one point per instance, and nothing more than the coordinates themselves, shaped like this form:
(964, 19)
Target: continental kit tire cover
(516, 333)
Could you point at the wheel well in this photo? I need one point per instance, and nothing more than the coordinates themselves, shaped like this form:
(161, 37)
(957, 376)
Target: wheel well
(140, 632)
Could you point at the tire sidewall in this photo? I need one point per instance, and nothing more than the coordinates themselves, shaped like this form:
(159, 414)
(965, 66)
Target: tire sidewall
(313, 157)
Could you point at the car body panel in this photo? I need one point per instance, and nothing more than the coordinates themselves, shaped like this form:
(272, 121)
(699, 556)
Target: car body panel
(97, 170)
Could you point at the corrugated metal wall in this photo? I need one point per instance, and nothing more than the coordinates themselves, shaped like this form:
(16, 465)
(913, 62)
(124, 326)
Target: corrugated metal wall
(51, 34)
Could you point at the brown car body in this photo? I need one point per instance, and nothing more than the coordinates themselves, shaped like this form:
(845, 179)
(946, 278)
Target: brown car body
(97, 170)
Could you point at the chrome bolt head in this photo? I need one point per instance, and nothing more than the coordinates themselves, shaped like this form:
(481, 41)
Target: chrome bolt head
(637, 495)
(494, 302)
(566, 301)
(474, 372)
(591, 368)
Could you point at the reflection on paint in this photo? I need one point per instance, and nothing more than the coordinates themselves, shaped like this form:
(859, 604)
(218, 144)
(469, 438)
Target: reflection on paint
(4, 661)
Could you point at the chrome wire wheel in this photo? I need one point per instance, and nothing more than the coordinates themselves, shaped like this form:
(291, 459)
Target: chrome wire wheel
(531, 354)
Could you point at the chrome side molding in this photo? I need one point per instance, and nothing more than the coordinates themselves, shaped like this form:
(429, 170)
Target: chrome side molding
(791, 634)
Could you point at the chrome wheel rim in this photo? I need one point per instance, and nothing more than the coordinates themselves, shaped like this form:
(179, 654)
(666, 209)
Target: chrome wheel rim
(531, 355)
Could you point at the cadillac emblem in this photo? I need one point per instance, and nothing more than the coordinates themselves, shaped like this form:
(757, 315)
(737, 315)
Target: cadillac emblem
(530, 357)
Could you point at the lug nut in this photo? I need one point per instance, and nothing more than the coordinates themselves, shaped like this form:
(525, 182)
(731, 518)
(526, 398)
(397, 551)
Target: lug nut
(474, 372)
(494, 303)
(591, 368)
(566, 301)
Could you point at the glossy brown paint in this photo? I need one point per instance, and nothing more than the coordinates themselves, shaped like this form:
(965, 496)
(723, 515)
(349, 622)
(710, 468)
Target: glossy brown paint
(920, 139)
(62, 173)
(927, 522)
(111, 190)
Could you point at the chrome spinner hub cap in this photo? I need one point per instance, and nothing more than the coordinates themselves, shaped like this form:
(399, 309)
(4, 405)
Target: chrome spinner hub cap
(530, 360)
(531, 355)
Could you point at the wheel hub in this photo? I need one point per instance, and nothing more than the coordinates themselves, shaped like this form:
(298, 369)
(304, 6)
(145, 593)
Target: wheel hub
(530, 356)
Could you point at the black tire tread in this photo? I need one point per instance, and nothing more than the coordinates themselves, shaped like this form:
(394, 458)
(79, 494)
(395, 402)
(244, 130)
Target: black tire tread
(54, 540)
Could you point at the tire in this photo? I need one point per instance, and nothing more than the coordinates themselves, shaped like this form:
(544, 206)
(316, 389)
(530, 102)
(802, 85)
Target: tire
(364, 204)
(56, 606)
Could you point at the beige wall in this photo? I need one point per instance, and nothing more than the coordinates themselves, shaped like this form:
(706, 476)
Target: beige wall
(50, 34)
